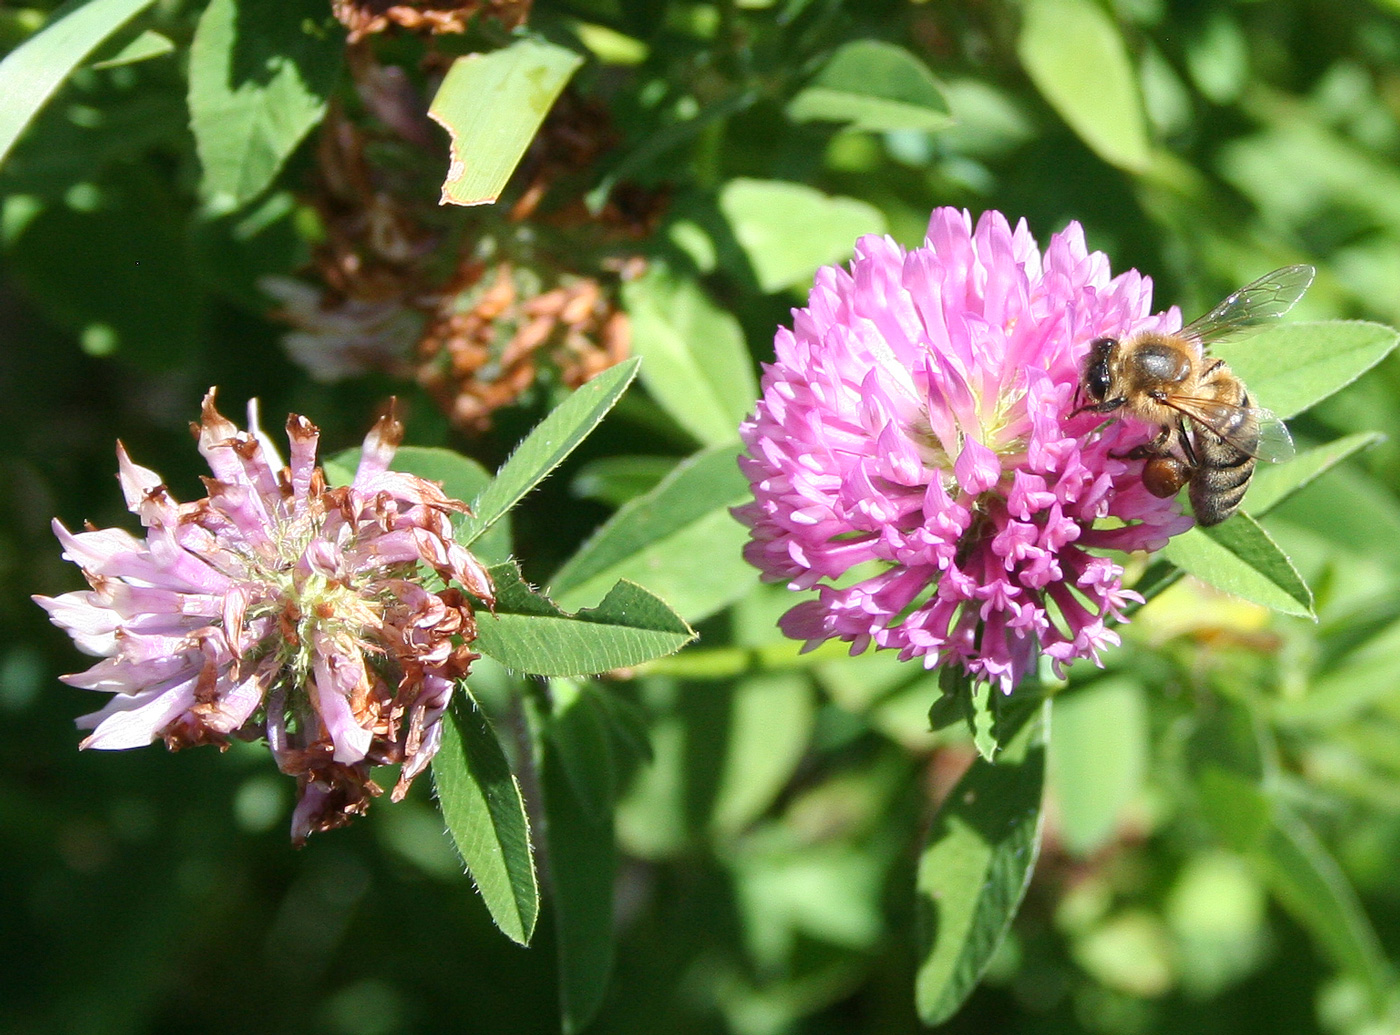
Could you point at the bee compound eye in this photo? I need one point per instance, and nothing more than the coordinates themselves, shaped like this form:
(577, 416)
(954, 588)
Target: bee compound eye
(1096, 376)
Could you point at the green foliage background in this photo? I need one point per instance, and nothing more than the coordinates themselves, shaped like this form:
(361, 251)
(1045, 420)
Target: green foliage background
(1224, 815)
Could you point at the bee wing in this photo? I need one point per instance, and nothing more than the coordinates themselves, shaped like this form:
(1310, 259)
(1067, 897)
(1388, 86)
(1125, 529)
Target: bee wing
(1275, 443)
(1267, 298)
(1250, 429)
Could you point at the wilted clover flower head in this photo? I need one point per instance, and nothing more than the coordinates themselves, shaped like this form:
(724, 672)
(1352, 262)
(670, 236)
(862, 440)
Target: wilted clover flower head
(915, 460)
(280, 608)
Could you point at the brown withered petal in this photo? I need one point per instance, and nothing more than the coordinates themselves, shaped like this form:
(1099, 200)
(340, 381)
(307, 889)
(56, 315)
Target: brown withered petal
(366, 17)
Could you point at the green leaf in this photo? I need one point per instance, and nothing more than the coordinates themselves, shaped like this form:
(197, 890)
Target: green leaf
(1310, 884)
(1239, 557)
(770, 725)
(31, 72)
(975, 867)
(1344, 688)
(118, 274)
(614, 480)
(1273, 484)
(993, 719)
(582, 862)
(980, 715)
(873, 85)
(491, 106)
(787, 230)
(545, 448)
(1367, 527)
(260, 74)
(150, 44)
(1073, 52)
(654, 540)
(529, 633)
(697, 365)
(667, 138)
(485, 815)
(1291, 367)
(1299, 871)
(1098, 759)
(581, 730)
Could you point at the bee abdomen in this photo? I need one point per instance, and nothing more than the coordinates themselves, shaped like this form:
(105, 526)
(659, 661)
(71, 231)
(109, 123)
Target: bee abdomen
(1219, 485)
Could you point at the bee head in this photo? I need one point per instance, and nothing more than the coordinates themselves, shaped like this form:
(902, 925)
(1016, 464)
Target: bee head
(1096, 378)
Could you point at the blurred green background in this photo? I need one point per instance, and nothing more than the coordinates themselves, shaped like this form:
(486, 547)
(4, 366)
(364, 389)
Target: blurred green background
(769, 847)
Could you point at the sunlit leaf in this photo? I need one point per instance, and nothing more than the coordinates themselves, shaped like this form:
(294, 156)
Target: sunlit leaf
(696, 363)
(787, 230)
(485, 815)
(1239, 557)
(491, 105)
(770, 724)
(150, 44)
(31, 72)
(1098, 759)
(1075, 55)
(873, 85)
(529, 633)
(1290, 367)
(654, 539)
(1274, 483)
(975, 867)
(261, 72)
(545, 448)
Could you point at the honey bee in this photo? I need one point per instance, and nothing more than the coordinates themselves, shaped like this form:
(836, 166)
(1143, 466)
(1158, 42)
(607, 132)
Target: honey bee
(1211, 434)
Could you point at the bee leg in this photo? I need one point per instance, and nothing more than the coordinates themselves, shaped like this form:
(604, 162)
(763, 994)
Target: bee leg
(1107, 406)
(1187, 448)
(1159, 446)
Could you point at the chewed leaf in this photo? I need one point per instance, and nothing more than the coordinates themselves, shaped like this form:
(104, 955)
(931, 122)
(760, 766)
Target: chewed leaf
(491, 105)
